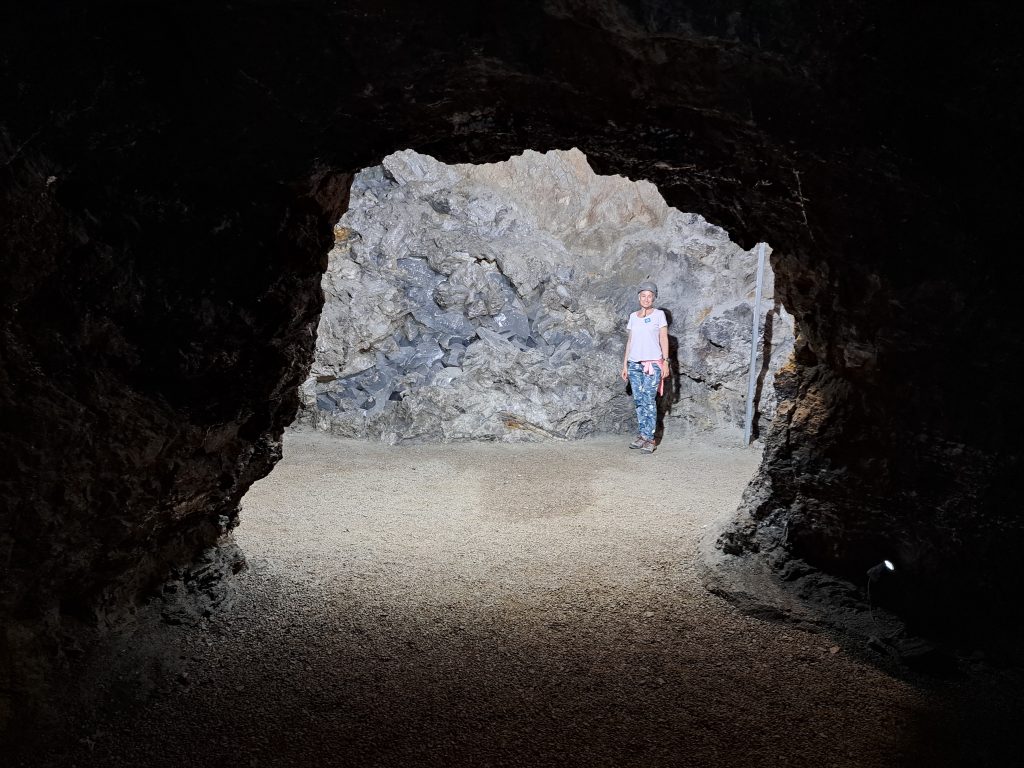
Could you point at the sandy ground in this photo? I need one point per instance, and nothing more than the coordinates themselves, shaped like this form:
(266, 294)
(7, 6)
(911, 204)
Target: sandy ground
(505, 605)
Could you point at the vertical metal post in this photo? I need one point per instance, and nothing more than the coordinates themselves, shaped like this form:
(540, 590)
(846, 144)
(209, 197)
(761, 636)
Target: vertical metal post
(752, 380)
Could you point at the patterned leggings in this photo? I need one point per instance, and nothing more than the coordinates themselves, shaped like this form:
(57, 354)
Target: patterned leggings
(645, 390)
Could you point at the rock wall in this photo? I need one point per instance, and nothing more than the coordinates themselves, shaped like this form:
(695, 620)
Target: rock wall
(489, 301)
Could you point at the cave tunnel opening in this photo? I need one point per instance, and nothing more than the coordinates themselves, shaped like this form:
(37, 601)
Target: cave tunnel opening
(501, 537)
(471, 335)
(472, 568)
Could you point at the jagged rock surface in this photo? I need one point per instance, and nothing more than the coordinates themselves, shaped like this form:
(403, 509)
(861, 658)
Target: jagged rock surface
(489, 301)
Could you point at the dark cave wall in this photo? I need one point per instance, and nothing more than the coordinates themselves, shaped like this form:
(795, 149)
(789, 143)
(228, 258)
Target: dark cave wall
(171, 171)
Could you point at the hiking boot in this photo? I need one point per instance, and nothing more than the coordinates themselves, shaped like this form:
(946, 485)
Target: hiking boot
(648, 446)
(638, 443)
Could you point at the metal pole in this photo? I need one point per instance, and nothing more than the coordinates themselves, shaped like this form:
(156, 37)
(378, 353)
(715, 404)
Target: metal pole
(752, 379)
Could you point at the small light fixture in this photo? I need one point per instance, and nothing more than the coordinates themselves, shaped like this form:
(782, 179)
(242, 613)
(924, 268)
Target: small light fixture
(877, 574)
(879, 571)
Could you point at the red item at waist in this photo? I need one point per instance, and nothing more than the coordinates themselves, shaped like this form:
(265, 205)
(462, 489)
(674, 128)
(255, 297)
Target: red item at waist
(649, 371)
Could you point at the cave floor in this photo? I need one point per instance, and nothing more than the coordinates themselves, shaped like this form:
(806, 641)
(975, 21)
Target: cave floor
(495, 604)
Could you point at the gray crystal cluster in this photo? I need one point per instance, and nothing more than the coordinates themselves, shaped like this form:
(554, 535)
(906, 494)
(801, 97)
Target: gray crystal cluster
(490, 302)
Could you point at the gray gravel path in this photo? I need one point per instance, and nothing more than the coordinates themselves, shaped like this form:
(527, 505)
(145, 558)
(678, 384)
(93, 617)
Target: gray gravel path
(503, 605)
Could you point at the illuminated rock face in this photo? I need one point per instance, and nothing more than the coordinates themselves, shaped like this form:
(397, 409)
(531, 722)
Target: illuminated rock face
(167, 201)
(470, 301)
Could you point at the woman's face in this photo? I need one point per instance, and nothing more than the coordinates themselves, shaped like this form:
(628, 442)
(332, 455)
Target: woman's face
(646, 299)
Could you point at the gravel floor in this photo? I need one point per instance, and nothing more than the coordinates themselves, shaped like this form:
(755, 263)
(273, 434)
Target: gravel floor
(501, 605)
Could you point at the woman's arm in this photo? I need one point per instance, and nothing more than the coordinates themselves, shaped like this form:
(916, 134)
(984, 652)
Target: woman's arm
(625, 373)
(663, 342)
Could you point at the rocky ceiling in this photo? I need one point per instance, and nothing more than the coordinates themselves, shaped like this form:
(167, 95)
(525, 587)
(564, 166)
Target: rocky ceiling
(171, 172)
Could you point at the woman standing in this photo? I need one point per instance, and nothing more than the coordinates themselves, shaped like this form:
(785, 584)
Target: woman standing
(645, 364)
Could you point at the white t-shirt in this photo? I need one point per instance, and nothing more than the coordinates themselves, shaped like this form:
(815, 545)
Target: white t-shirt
(644, 344)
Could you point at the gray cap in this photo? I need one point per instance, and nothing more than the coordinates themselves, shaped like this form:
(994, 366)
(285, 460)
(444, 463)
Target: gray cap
(648, 286)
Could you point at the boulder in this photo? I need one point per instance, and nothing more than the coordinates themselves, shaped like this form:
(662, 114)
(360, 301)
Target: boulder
(465, 301)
